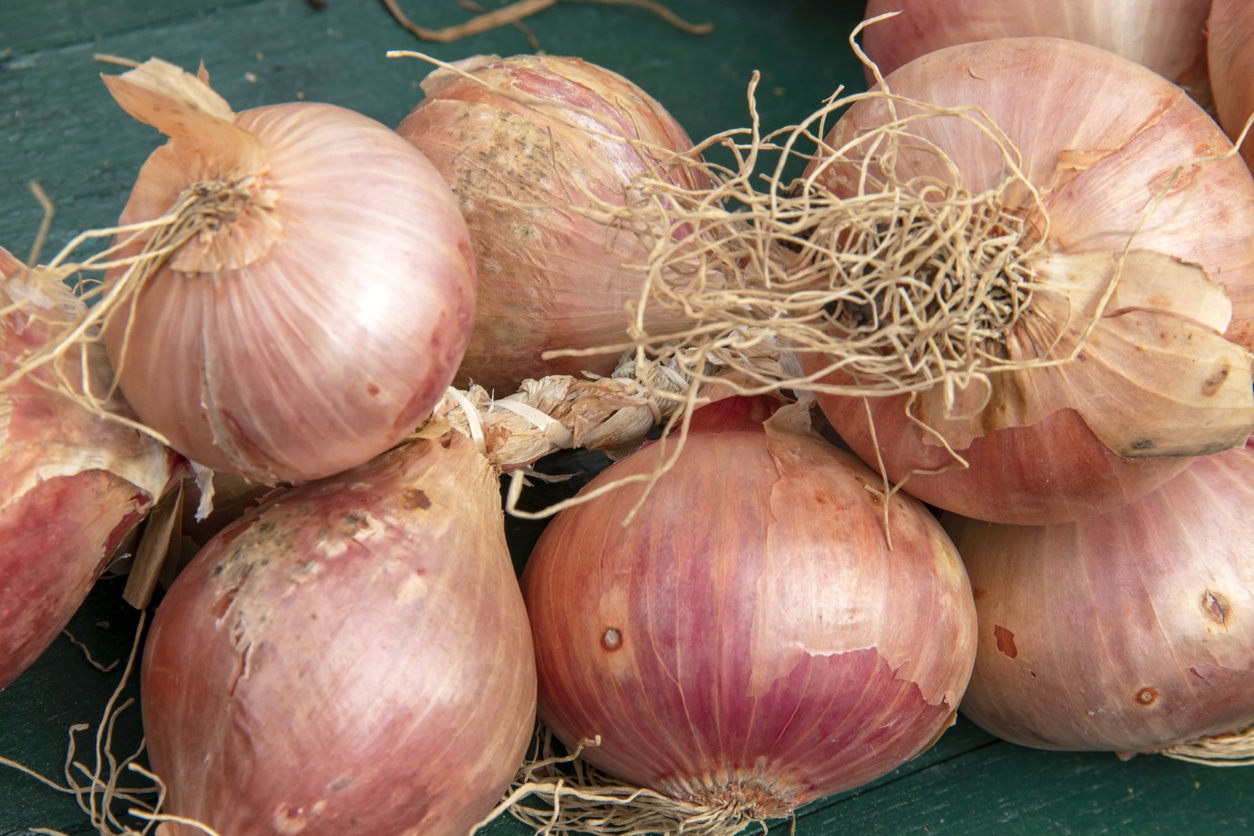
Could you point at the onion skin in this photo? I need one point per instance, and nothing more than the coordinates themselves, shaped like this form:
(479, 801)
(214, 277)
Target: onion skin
(549, 278)
(748, 635)
(1128, 632)
(72, 486)
(1096, 176)
(1053, 470)
(1230, 53)
(352, 657)
(319, 326)
(1167, 36)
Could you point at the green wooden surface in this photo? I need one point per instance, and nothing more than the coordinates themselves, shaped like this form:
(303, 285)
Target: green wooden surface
(58, 126)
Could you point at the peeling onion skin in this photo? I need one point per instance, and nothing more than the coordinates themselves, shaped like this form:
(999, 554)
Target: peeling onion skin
(72, 486)
(307, 337)
(1167, 36)
(1052, 471)
(1129, 632)
(1230, 53)
(352, 657)
(748, 636)
(1053, 97)
(548, 278)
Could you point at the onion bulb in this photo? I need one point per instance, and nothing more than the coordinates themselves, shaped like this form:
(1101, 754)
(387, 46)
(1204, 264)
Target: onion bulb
(1127, 632)
(748, 639)
(536, 148)
(351, 657)
(320, 304)
(1117, 271)
(73, 484)
(1230, 53)
(1167, 36)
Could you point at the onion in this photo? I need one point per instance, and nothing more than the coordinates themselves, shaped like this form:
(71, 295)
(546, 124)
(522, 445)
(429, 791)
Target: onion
(351, 657)
(529, 144)
(321, 305)
(72, 483)
(1168, 36)
(1128, 632)
(748, 641)
(1112, 200)
(1230, 53)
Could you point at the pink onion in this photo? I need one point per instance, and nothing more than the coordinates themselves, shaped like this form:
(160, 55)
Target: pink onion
(353, 656)
(529, 144)
(72, 484)
(1168, 36)
(1230, 53)
(1154, 382)
(323, 305)
(1127, 632)
(748, 638)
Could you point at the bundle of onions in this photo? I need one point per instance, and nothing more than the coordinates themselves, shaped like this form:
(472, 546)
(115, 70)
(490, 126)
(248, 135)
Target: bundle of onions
(748, 641)
(1230, 52)
(529, 144)
(73, 484)
(1070, 299)
(351, 657)
(1127, 632)
(293, 286)
(1168, 36)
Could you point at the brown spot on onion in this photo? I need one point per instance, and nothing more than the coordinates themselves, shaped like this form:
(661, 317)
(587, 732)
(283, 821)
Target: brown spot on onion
(416, 498)
(290, 819)
(1005, 641)
(611, 639)
(1215, 607)
(1216, 381)
(1147, 696)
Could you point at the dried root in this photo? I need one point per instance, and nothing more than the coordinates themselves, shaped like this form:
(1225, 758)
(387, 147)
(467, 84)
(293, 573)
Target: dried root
(557, 793)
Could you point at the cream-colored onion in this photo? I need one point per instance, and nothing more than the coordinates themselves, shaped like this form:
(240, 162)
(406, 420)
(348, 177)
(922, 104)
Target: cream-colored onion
(1168, 36)
(1127, 632)
(1230, 52)
(323, 305)
(1126, 228)
(529, 144)
(72, 483)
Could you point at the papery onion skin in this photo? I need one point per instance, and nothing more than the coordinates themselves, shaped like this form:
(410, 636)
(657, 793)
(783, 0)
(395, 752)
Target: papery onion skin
(748, 635)
(1167, 36)
(1230, 53)
(1128, 632)
(352, 657)
(549, 278)
(319, 326)
(72, 484)
(1053, 98)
